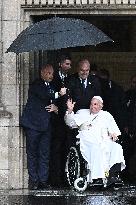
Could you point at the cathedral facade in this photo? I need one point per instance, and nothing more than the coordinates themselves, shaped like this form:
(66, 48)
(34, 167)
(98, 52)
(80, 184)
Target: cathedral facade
(115, 17)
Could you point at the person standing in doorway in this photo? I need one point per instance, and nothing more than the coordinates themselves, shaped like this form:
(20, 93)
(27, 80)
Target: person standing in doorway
(131, 104)
(131, 119)
(83, 86)
(37, 126)
(114, 99)
(62, 72)
(60, 130)
(115, 103)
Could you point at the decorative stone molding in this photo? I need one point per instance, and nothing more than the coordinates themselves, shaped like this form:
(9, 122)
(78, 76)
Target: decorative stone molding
(46, 3)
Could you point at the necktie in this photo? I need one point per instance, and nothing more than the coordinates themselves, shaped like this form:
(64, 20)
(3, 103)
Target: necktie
(63, 81)
(51, 93)
(48, 86)
(83, 84)
(63, 77)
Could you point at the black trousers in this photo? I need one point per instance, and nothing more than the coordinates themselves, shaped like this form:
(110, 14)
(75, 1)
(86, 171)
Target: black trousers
(115, 170)
(58, 153)
(38, 152)
(62, 137)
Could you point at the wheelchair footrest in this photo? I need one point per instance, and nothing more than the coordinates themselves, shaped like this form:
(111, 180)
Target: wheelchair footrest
(118, 184)
(114, 182)
(98, 183)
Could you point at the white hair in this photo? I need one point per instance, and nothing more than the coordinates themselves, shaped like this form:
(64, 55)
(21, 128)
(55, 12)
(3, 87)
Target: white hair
(98, 98)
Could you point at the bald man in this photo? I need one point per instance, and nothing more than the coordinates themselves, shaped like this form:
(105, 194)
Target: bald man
(83, 86)
(36, 123)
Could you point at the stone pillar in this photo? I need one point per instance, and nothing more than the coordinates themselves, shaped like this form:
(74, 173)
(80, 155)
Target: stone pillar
(5, 118)
(1, 45)
(10, 82)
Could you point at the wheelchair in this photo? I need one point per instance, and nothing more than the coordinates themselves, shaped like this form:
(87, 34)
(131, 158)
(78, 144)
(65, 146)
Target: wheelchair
(74, 169)
(77, 171)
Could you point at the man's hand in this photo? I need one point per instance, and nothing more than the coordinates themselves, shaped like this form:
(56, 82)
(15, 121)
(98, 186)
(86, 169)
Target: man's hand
(70, 105)
(52, 108)
(62, 91)
(114, 137)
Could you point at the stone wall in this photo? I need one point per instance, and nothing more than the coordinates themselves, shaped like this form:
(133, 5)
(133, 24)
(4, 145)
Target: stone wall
(10, 159)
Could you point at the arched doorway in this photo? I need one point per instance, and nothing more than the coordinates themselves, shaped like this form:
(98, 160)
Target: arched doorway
(118, 57)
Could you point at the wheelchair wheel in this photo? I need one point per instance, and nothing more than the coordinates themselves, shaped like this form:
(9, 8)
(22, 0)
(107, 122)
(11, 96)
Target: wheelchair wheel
(80, 184)
(72, 166)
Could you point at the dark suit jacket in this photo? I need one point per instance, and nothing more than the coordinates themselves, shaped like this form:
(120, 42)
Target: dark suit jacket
(35, 115)
(81, 98)
(57, 83)
(115, 102)
(131, 104)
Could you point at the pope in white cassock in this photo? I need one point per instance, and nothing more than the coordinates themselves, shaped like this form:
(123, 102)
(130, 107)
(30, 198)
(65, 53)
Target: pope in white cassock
(98, 132)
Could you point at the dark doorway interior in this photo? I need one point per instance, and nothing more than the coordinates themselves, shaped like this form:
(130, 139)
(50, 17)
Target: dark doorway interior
(120, 28)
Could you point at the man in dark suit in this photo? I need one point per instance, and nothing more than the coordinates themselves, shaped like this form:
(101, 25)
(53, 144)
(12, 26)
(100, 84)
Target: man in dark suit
(131, 103)
(62, 72)
(83, 86)
(131, 119)
(36, 123)
(114, 99)
(59, 131)
(115, 103)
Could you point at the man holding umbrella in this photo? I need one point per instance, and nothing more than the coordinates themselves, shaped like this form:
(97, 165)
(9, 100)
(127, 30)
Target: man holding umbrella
(60, 130)
(61, 74)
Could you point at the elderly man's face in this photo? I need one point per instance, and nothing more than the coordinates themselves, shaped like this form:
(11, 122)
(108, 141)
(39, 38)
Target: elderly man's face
(47, 73)
(95, 106)
(84, 70)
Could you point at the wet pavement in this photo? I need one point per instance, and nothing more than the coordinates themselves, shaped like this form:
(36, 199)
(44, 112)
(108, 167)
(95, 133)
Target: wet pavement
(124, 196)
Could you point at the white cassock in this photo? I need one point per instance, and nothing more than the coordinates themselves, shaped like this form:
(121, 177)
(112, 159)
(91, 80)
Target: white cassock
(96, 146)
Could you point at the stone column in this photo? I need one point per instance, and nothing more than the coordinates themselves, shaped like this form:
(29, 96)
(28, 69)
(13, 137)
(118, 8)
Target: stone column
(0, 45)
(10, 82)
(5, 119)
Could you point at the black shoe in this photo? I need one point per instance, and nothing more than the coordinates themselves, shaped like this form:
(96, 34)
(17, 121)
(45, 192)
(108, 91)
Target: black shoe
(44, 185)
(118, 182)
(98, 182)
(113, 181)
(57, 186)
(33, 185)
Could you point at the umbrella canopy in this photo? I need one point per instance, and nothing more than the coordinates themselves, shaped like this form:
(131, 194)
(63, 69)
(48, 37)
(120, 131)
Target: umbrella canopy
(57, 33)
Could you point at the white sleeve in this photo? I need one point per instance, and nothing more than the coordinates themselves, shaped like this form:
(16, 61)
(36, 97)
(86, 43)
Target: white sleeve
(69, 120)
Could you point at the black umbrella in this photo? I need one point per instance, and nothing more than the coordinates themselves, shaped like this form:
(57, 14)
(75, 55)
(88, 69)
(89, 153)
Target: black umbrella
(57, 33)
